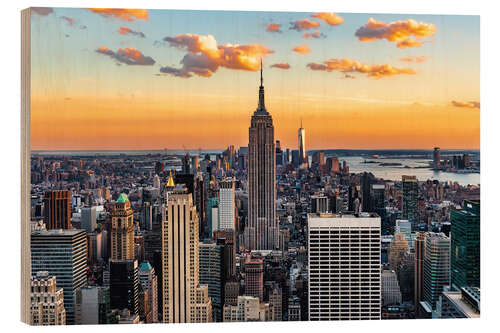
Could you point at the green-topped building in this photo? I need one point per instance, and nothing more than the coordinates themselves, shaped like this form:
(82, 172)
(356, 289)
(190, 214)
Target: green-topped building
(465, 248)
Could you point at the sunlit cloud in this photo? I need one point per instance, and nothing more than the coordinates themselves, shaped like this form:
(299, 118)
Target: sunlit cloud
(42, 11)
(68, 19)
(128, 15)
(399, 32)
(128, 56)
(205, 55)
(314, 34)
(274, 27)
(353, 66)
(331, 19)
(302, 49)
(409, 43)
(128, 31)
(303, 24)
(281, 65)
(417, 59)
(471, 104)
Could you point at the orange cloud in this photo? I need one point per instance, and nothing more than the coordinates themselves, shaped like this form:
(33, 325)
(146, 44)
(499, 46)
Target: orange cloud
(399, 31)
(408, 43)
(281, 65)
(128, 15)
(128, 31)
(205, 55)
(68, 19)
(128, 56)
(351, 66)
(330, 18)
(471, 105)
(303, 24)
(417, 59)
(273, 27)
(302, 49)
(315, 34)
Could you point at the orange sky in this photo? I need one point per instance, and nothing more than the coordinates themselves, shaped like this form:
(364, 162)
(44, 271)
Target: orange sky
(153, 79)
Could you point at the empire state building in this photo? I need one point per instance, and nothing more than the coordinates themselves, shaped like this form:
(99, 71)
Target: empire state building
(262, 230)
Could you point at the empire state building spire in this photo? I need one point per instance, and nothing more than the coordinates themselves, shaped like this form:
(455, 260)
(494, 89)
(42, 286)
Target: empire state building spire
(262, 107)
(262, 228)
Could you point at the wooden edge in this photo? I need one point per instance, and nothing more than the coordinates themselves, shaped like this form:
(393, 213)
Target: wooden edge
(25, 164)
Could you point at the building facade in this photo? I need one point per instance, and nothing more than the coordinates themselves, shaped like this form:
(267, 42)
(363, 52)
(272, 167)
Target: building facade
(47, 301)
(465, 254)
(57, 209)
(92, 306)
(436, 266)
(63, 254)
(410, 200)
(227, 218)
(344, 266)
(149, 281)
(180, 262)
(261, 232)
(122, 229)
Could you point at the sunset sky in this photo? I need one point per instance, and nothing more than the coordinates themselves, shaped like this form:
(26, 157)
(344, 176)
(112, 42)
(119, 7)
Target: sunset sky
(152, 79)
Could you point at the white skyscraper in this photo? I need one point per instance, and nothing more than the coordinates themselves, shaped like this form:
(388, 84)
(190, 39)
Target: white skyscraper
(302, 145)
(226, 205)
(344, 266)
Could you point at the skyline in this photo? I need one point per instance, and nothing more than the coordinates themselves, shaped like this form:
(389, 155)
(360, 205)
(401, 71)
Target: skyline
(423, 102)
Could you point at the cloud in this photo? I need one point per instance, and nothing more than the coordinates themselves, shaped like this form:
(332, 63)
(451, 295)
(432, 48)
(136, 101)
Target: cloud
(128, 31)
(302, 49)
(417, 59)
(282, 65)
(331, 19)
(353, 66)
(42, 11)
(303, 24)
(471, 105)
(128, 56)
(409, 43)
(68, 19)
(128, 15)
(399, 31)
(315, 34)
(204, 55)
(274, 27)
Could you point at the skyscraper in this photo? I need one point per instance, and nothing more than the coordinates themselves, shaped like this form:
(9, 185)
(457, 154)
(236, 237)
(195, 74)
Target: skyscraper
(122, 229)
(410, 200)
(262, 229)
(436, 266)
(419, 267)
(57, 209)
(302, 145)
(344, 266)
(183, 297)
(149, 281)
(124, 285)
(47, 301)
(92, 306)
(63, 254)
(212, 274)
(391, 293)
(89, 222)
(227, 217)
(437, 158)
(465, 259)
(254, 278)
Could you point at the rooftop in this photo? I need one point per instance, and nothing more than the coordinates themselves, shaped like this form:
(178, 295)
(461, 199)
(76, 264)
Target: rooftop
(122, 198)
(55, 232)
